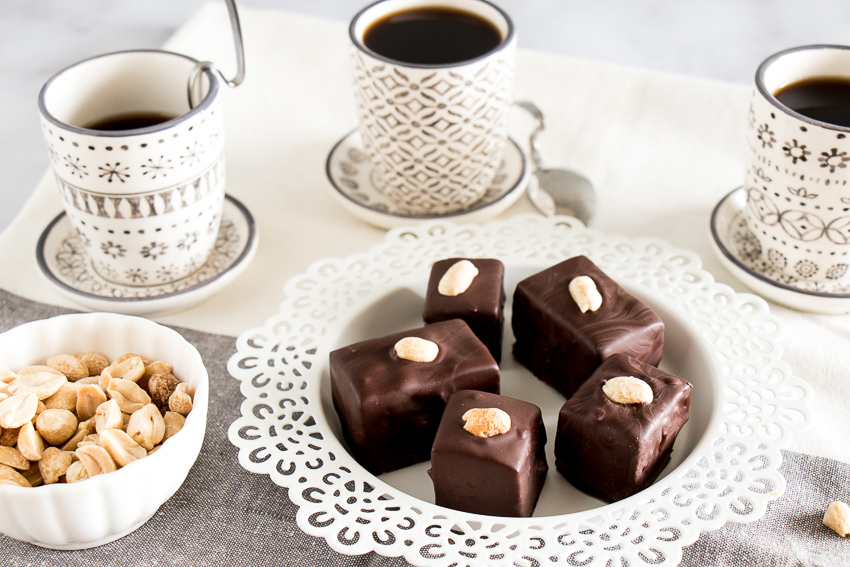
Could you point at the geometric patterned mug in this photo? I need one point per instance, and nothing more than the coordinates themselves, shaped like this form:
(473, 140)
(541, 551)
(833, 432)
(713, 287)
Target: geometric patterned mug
(797, 174)
(433, 133)
(146, 202)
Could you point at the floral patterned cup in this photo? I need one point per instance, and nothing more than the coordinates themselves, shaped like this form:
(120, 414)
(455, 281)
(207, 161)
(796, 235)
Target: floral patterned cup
(146, 201)
(798, 198)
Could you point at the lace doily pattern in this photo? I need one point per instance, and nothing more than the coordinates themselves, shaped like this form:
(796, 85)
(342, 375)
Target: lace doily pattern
(731, 475)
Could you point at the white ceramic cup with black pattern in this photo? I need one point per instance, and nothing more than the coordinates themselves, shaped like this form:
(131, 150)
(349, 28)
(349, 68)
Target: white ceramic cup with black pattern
(433, 133)
(797, 173)
(145, 201)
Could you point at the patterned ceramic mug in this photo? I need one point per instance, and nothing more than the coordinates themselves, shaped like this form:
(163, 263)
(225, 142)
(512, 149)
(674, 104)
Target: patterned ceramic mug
(146, 200)
(434, 133)
(797, 174)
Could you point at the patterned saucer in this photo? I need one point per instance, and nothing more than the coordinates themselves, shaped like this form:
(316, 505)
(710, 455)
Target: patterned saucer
(353, 187)
(62, 259)
(732, 242)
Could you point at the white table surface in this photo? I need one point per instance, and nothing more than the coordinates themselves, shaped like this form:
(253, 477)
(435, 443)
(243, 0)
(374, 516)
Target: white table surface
(717, 39)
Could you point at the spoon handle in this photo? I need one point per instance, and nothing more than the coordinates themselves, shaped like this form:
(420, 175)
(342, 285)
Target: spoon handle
(533, 143)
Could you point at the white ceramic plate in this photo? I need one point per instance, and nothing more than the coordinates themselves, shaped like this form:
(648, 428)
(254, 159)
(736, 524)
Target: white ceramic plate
(745, 404)
(352, 187)
(63, 261)
(738, 251)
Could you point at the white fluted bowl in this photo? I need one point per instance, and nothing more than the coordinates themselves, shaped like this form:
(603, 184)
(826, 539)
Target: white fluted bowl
(109, 506)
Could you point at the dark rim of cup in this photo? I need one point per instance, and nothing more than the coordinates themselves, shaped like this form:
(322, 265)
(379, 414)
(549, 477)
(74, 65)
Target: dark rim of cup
(359, 44)
(762, 69)
(206, 103)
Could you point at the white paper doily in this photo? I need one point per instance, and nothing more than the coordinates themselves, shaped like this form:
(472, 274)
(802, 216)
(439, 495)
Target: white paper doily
(745, 404)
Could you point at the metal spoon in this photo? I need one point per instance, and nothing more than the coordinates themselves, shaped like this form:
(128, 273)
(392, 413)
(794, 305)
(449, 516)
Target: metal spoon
(557, 191)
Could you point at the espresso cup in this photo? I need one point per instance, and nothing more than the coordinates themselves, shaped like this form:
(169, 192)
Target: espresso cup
(433, 131)
(797, 170)
(141, 175)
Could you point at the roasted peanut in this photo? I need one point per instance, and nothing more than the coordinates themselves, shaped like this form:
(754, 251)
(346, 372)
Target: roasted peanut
(8, 437)
(8, 475)
(89, 397)
(173, 423)
(56, 426)
(457, 278)
(39, 368)
(33, 475)
(486, 422)
(12, 457)
(91, 439)
(585, 294)
(161, 385)
(837, 518)
(72, 368)
(146, 427)
(108, 416)
(42, 384)
(65, 398)
(181, 400)
(627, 390)
(17, 410)
(90, 380)
(129, 396)
(121, 447)
(151, 369)
(145, 360)
(96, 460)
(30, 443)
(95, 362)
(76, 472)
(417, 349)
(130, 369)
(7, 376)
(54, 463)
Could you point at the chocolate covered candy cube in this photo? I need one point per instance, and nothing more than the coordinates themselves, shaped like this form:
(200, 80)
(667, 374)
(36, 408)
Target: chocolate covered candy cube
(489, 455)
(562, 344)
(469, 289)
(390, 392)
(616, 434)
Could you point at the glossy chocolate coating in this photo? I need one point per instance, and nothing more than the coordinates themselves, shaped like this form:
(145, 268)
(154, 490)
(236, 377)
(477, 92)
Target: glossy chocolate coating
(481, 305)
(563, 346)
(389, 407)
(612, 450)
(498, 476)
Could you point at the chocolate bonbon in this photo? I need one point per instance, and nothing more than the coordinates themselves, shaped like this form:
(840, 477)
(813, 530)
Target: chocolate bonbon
(500, 474)
(612, 450)
(390, 407)
(561, 344)
(481, 305)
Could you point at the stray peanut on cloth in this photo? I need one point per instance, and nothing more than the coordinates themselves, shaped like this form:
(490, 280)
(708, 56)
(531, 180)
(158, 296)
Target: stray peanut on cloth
(837, 518)
(78, 416)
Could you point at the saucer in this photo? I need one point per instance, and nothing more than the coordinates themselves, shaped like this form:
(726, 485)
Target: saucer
(63, 261)
(350, 175)
(733, 245)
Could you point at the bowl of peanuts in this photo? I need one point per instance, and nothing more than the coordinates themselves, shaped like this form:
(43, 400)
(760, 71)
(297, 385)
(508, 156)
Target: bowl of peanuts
(101, 418)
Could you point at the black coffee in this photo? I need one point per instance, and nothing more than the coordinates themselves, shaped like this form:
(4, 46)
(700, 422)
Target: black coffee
(130, 121)
(432, 36)
(826, 99)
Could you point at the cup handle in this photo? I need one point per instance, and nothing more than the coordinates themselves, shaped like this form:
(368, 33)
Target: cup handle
(208, 65)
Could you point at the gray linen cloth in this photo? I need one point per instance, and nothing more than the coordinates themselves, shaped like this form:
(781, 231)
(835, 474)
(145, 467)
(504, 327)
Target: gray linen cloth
(224, 515)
